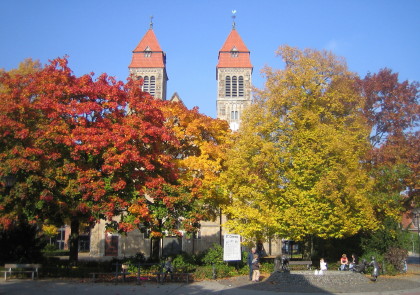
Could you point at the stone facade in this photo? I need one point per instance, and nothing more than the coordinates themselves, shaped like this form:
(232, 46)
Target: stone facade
(234, 80)
(106, 245)
(160, 82)
(230, 108)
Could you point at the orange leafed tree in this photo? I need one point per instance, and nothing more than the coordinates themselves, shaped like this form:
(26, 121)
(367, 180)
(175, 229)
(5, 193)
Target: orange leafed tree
(78, 149)
(198, 157)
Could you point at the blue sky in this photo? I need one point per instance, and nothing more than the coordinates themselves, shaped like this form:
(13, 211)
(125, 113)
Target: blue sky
(100, 35)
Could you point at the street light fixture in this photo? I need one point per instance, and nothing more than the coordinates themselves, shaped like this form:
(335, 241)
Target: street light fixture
(416, 216)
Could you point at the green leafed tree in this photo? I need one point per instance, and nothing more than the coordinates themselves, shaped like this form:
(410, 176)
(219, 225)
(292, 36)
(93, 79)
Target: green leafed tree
(295, 168)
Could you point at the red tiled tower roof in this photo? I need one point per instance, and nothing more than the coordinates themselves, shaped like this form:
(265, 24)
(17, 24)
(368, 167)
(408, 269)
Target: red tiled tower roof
(141, 58)
(233, 44)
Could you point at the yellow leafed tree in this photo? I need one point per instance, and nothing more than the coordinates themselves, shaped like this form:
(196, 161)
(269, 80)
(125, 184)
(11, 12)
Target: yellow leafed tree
(199, 156)
(295, 167)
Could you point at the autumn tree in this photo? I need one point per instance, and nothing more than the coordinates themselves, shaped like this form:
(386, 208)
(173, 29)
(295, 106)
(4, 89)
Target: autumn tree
(295, 167)
(75, 152)
(198, 158)
(393, 113)
(28, 66)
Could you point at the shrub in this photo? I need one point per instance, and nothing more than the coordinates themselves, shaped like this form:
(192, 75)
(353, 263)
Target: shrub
(396, 258)
(213, 255)
(203, 272)
(221, 271)
(391, 236)
(267, 267)
(184, 263)
(225, 271)
(50, 248)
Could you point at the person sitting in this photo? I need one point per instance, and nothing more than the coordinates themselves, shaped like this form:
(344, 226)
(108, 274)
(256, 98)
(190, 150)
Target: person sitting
(354, 261)
(344, 262)
(322, 265)
(168, 268)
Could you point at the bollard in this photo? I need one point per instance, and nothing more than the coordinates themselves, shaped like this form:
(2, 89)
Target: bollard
(138, 276)
(214, 271)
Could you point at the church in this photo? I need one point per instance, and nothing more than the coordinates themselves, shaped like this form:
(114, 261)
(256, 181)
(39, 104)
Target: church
(234, 94)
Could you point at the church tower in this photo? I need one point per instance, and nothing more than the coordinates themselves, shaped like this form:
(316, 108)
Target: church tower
(233, 75)
(149, 63)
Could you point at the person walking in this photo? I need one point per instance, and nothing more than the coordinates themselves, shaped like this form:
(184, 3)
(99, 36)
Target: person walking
(256, 268)
(249, 261)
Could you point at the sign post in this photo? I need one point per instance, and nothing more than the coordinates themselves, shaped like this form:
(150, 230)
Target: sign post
(232, 248)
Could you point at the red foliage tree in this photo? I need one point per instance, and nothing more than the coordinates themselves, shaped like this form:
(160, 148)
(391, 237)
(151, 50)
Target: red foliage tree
(79, 150)
(393, 112)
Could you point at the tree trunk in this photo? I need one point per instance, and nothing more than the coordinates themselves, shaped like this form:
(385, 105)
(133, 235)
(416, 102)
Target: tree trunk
(74, 241)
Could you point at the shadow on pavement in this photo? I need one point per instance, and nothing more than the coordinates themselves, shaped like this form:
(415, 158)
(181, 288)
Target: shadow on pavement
(332, 282)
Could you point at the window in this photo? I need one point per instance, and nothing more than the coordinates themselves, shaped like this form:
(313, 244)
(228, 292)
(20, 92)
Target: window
(234, 115)
(152, 85)
(241, 86)
(146, 84)
(234, 52)
(197, 235)
(149, 84)
(227, 86)
(234, 86)
(147, 52)
(60, 238)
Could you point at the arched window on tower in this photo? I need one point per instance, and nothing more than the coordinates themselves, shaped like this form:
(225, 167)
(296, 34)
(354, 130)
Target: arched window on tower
(234, 115)
(234, 86)
(227, 86)
(152, 88)
(146, 84)
(241, 86)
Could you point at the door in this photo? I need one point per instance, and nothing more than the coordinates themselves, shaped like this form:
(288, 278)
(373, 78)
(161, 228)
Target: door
(171, 246)
(111, 245)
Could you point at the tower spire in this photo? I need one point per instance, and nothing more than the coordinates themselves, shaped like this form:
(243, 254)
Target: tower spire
(233, 18)
(151, 22)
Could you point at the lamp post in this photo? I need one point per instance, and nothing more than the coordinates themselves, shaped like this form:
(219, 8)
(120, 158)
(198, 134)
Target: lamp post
(416, 217)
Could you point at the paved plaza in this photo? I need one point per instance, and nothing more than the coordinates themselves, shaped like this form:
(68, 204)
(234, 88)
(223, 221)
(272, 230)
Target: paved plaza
(295, 282)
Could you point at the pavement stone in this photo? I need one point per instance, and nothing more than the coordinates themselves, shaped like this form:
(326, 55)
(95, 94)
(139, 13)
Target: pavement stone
(295, 283)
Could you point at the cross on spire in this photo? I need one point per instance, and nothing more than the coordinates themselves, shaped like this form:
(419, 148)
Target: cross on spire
(151, 22)
(233, 18)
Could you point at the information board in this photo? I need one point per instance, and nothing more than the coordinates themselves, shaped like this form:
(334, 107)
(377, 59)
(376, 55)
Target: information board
(232, 248)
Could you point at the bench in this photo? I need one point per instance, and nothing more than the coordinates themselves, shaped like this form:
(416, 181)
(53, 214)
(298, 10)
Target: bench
(21, 268)
(283, 265)
(308, 263)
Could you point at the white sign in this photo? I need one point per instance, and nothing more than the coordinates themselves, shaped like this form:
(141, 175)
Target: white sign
(232, 248)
